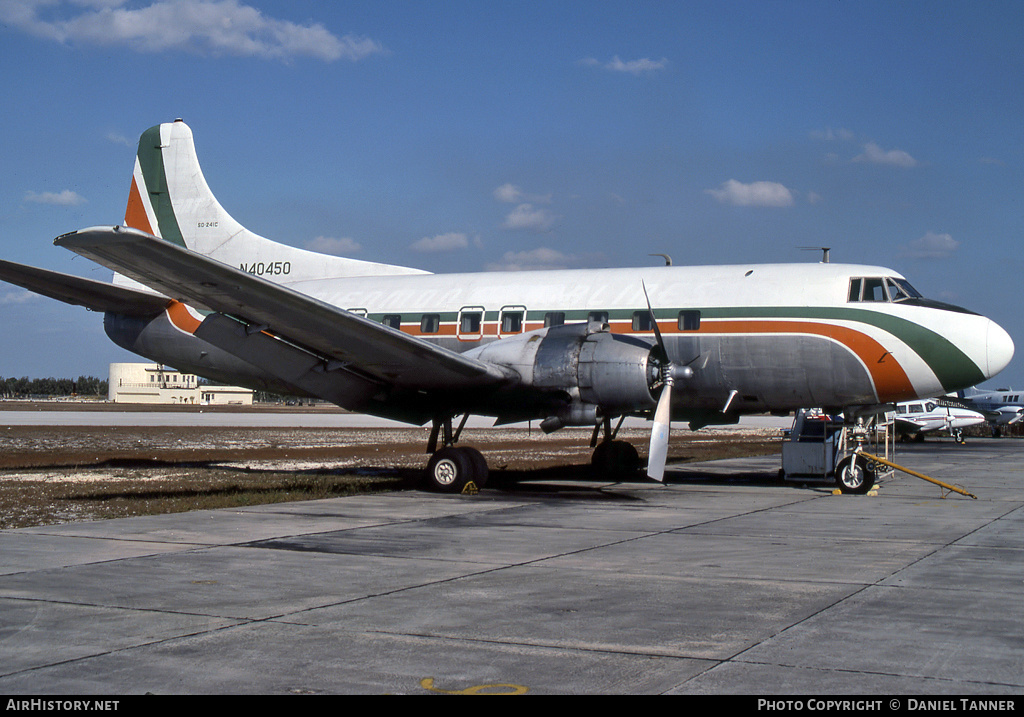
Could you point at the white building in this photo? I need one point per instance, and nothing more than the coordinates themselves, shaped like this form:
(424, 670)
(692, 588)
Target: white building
(153, 383)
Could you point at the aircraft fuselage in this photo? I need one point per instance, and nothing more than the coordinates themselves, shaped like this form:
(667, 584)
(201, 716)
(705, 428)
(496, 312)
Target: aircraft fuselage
(761, 337)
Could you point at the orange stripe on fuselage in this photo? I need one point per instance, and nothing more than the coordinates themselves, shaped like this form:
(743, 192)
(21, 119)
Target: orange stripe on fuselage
(182, 318)
(891, 381)
(135, 214)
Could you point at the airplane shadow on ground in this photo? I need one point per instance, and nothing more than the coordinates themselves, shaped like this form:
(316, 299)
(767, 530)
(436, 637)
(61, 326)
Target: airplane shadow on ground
(216, 480)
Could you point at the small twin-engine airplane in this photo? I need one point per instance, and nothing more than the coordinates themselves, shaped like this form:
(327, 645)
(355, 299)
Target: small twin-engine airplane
(1002, 407)
(195, 290)
(916, 418)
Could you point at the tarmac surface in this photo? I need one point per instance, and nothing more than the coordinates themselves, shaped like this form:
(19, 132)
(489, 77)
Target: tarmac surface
(722, 581)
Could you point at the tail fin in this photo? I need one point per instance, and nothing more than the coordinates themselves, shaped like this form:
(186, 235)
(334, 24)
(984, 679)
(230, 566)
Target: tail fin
(169, 197)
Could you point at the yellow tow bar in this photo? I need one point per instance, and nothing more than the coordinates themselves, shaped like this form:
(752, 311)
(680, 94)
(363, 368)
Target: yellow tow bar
(922, 476)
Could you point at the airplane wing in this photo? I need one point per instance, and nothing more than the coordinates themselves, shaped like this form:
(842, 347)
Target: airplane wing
(355, 343)
(95, 295)
(908, 425)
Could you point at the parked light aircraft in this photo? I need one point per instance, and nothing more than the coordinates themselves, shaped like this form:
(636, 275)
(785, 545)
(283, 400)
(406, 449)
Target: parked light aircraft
(916, 418)
(1002, 407)
(195, 290)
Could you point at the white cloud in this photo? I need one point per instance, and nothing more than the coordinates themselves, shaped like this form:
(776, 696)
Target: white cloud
(511, 194)
(530, 218)
(116, 138)
(16, 297)
(755, 194)
(331, 245)
(207, 27)
(873, 154)
(542, 258)
(508, 193)
(67, 198)
(830, 135)
(632, 67)
(931, 246)
(443, 242)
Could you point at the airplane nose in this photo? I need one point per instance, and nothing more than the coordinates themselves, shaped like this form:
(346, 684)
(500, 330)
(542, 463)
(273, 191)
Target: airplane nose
(999, 349)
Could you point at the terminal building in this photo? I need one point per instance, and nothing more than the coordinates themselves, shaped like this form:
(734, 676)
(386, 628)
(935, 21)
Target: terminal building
(153, 383)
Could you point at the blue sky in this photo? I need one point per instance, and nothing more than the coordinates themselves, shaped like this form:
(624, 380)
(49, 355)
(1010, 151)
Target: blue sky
(466, 136)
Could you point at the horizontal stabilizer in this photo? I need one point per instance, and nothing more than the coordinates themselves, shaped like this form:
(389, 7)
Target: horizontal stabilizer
(95, 295)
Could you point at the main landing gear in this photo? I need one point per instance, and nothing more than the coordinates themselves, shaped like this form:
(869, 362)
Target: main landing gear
(463, 469)
(612, 459)
(453, 469)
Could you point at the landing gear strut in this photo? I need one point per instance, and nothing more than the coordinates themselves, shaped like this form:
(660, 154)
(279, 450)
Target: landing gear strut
(453, 469)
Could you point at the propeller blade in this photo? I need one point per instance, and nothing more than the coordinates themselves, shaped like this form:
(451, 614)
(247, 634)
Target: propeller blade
(657, 331)
(658, 452)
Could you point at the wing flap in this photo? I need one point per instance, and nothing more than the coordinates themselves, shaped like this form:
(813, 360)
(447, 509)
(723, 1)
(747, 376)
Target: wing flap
(95, 295)
(374, 350)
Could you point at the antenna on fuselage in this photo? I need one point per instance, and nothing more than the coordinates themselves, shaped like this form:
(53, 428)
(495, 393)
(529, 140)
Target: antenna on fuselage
(823, 249)
(666, 257)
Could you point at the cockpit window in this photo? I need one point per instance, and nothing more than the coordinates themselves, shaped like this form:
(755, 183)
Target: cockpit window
(876, 288)
(901, 290)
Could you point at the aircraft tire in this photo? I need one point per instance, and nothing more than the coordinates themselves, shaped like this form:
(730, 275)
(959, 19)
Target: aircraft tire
(615, 460)
(480, 470)
(449, 470)
(854, 475)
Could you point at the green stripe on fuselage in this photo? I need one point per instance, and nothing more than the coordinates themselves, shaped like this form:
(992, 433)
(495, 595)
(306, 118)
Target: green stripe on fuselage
(951, 366)
(151, 160)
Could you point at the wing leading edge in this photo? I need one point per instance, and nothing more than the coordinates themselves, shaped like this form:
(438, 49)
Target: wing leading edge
(349, 342)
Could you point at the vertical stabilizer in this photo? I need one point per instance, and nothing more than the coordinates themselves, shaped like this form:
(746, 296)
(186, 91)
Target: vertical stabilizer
(169, 197)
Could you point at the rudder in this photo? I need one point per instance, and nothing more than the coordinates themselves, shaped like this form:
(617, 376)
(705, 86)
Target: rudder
(169, 197)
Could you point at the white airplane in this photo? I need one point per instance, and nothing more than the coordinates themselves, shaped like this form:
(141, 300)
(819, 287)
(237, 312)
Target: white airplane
(1002, 407)
(916, 418)
(195, 290)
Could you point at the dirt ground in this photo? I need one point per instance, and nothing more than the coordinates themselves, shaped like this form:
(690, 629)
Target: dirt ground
(60, 474)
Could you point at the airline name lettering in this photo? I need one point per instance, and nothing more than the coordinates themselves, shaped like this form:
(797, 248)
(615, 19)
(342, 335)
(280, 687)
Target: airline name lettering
(268, 268)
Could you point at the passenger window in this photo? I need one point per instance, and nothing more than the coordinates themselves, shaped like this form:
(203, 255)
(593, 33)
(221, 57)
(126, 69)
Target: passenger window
(642, 321)
(601, 316)
(470, 323)
(511, 322)
(554, 318)
(430, 323)
(392, 320)
(689, 320)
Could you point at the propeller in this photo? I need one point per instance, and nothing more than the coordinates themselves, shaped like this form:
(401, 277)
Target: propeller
(658, 452)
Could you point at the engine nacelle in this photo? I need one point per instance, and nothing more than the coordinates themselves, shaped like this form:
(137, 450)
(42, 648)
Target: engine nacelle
(596, 368)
